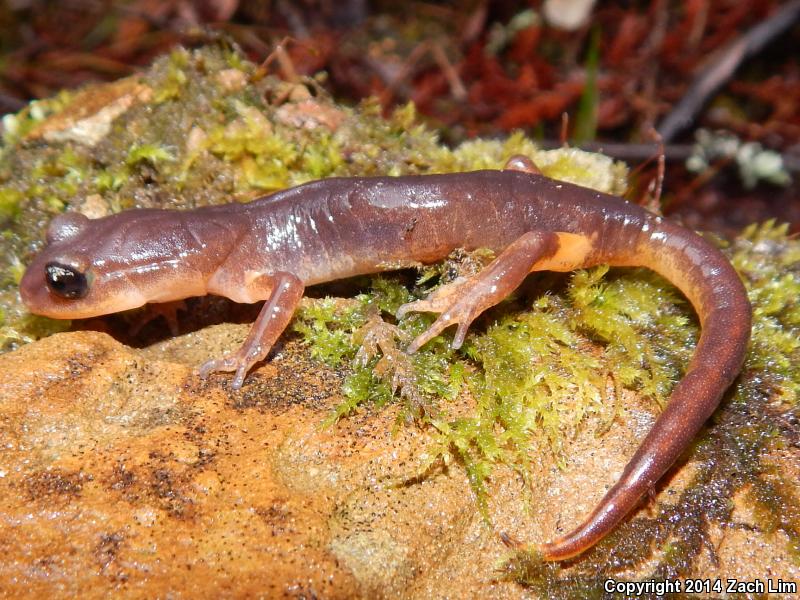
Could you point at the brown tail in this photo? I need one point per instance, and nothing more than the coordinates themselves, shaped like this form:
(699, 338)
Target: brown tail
(703, 274)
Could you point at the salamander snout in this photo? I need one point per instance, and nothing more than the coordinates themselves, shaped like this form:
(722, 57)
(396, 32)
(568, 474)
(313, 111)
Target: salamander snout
(55, 287)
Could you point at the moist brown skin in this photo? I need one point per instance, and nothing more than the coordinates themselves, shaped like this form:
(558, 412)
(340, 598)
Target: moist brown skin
(271, 248)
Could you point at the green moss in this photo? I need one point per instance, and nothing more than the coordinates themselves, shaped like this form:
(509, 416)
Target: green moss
(60, 174)
(361, 386)
(110, 181)
(356, 334)
(534, 373)
(589, 169)
(9, 203)
(537, 379)
(323, 158)
(261, 156)
(642, 323)
(389, 294)
(152, 154)
(235, 60)
(538, 376)
(15, 270)
(16, 330)
(172, 81)
(768, 262)
(328, 325)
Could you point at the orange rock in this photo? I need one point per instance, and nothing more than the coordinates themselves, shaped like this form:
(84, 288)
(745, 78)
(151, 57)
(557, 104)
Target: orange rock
(122, 473)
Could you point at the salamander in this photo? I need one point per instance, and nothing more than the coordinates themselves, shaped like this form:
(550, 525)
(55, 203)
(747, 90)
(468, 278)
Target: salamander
(273, 247)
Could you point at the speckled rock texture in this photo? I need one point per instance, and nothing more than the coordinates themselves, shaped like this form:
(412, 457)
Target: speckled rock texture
(123, 473)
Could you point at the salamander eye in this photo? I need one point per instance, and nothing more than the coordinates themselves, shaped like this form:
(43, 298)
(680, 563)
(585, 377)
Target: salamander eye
(66, 281)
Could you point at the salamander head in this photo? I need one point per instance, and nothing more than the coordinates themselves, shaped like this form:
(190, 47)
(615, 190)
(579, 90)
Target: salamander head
(102, 266)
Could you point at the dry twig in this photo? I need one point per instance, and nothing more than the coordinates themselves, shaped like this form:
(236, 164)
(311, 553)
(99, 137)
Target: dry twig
(719, 71)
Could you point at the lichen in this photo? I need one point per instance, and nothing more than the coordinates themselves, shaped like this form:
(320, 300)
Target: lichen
(755, 163)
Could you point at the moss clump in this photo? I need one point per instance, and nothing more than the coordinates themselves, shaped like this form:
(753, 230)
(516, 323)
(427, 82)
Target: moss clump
(153, 154)
(538, 372)
(330, 324)
(354, 333)
(770, 266)
(630, 316)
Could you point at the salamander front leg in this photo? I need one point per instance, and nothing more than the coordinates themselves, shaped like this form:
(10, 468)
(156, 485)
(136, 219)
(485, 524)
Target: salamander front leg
(464, 299)
(283, 292)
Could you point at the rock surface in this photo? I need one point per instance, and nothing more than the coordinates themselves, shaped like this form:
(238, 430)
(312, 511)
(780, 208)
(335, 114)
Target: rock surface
(123, 473)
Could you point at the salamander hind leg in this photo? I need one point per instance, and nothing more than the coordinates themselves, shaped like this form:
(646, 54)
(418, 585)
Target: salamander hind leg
(463, 300)
(283, 292)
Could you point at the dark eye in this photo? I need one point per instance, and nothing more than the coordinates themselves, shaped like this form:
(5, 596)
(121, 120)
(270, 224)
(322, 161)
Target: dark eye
(66, 281)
